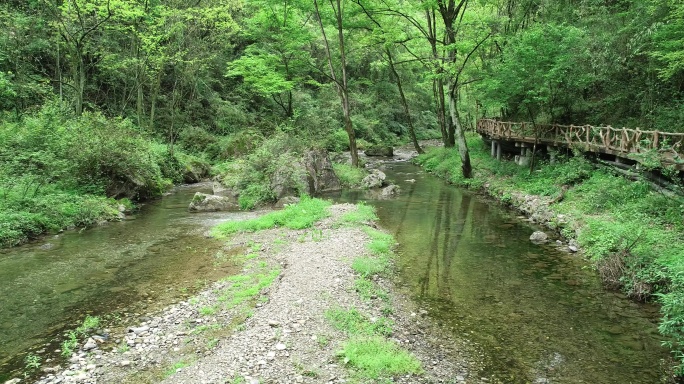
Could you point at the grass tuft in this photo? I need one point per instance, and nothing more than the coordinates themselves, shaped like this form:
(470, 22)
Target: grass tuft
(375, 357)
(298, 216)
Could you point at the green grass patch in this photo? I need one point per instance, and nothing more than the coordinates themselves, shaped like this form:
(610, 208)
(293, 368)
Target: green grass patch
(298, 216)
(369, 290)
(354, 322)
(349, 176)
(246, 287)
(369, 266)
(375, 357)
(362, 214)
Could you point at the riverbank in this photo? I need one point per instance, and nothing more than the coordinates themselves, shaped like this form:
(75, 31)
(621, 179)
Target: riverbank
(311, 305)
(629, 232)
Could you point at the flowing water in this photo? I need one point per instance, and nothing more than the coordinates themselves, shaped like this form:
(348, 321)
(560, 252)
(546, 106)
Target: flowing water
(149, 260)
(535, 314)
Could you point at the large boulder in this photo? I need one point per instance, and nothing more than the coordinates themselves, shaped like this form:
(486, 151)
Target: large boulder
(195, 171)
(289, 179)
(320, 174)
(375, 179)
(287, 200)
(203, 202)
(380, 150)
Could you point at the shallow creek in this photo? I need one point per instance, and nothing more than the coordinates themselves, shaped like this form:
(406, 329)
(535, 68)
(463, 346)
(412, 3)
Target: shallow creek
(535, 314)
(153, 258)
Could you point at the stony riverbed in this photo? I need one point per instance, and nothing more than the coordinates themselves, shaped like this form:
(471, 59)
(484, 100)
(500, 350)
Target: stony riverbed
(283, 337)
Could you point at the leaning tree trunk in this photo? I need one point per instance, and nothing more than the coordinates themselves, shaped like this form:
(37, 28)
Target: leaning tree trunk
(404, 103)
(459, 137)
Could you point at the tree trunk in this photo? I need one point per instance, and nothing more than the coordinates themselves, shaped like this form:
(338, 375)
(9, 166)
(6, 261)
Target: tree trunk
(404, 103)
(341, 84)
(459, 137)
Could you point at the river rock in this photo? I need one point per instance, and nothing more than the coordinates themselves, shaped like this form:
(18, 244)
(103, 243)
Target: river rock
(13, 381)
(539, 237)
(203, 202)
(380, 150)
(375, 179)
(320, 174)
(90, 344)
(390, 191)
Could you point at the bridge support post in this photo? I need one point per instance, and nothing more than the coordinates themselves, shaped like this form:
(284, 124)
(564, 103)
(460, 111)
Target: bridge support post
(524, 158)
(493, 148)
(498, 150)
(553, 154)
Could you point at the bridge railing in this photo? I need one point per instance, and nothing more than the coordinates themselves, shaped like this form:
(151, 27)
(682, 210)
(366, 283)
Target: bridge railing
(619, 141)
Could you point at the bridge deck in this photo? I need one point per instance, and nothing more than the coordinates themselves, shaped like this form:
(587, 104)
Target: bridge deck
(666, 147)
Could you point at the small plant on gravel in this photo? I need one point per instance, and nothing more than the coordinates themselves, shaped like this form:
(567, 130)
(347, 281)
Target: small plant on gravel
(369, 266)
(123, 347)
(212, 343)
(90, 323)
(369, 290)
(354, 322)
(236, 380)
(70, 344)
(208, 310)
(175, 367)
(32, 362)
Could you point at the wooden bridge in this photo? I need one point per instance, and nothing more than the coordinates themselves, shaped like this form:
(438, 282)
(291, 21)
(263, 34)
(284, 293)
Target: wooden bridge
(622, 143)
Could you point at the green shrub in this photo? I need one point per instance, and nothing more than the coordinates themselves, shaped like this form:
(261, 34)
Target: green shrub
(349, 176)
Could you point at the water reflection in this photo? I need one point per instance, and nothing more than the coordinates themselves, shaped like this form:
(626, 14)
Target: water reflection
(152, 258)
(538, 315)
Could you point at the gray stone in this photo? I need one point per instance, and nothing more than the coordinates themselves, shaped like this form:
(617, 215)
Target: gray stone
(375, 179)
(203, 202)
(320, 174)
(46, 246)
(539, 237)
(90, 344)
(139, 330)
(573, 248)
(390, 191)
(287, 200)
(13, 381)
(380, 150)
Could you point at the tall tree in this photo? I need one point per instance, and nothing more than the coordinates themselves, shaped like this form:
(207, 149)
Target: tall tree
(341, 81)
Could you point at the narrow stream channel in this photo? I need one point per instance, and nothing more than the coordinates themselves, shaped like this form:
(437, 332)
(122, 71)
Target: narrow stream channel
(535, 314)
(145, 262)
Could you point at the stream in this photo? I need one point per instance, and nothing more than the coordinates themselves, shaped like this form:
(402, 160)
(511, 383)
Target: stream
(534, 314)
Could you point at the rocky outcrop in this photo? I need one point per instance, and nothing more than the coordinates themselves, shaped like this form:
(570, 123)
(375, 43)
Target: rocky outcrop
(221, 190)
(375, 179)
(203, 202)
(289, 179)
(320, 174)
(380, 150)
